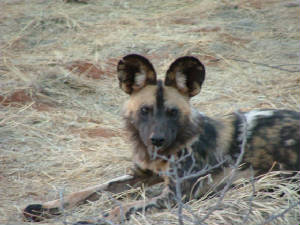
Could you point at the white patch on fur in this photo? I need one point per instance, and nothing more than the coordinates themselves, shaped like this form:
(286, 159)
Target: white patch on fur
(289, 142)
(121, 178)
(181, 81)
(252, 117)
(139, 79)
(196, 115)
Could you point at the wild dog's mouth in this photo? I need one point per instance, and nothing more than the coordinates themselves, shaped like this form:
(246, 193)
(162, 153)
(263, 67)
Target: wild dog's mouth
(156, 152)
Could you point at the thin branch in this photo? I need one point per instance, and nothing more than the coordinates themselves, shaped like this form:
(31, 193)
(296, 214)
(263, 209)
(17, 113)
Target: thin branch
(178, 193)
(61, 198)
(204, 171)
(246, 217)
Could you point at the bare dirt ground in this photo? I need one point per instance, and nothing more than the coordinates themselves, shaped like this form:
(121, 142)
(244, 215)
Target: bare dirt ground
(60, 124)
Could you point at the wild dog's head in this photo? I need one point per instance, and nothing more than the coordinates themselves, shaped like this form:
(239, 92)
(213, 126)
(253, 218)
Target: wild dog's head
(158, 114)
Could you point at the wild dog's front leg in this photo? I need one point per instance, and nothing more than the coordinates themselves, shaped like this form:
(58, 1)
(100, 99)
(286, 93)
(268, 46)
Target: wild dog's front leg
(121, 213)
(36, 212)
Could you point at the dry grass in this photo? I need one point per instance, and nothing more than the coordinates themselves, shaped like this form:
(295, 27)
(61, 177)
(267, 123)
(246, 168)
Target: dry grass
(60, 125)
(235, 206)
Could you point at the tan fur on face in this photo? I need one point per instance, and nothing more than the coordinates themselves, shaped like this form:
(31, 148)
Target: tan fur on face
(146, 96)
(174, 99)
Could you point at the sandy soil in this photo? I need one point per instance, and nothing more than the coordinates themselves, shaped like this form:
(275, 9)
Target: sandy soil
(60, 124)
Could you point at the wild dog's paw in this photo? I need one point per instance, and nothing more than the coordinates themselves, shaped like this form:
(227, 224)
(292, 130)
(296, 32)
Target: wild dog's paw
(36, 213)
(33, 212)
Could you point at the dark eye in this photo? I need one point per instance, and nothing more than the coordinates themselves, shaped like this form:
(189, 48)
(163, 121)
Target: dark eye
(145, 110)
(173, 112)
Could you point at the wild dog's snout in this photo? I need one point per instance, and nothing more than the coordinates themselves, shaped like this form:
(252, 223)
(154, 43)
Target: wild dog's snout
(159, 135)
(157, 140)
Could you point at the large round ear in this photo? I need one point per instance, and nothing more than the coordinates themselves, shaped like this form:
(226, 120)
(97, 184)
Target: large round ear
(134, 73)
(186, 74)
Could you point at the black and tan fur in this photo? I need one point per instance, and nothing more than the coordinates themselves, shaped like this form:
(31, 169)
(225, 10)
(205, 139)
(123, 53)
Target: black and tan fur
(171, 138)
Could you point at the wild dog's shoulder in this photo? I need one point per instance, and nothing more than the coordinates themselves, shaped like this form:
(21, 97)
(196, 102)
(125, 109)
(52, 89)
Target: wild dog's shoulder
(216, 136)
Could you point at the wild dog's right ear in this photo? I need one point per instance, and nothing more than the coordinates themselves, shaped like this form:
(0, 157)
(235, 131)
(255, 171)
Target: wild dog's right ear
(186, 74)
(135, 72)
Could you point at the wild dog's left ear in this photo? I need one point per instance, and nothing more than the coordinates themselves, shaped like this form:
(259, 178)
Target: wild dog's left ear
(186, 74)
(135, 72)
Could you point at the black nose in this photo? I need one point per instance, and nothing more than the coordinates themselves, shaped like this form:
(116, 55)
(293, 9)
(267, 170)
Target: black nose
(157, 141)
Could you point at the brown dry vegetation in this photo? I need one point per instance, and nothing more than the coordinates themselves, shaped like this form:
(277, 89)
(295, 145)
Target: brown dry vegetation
(60, 124)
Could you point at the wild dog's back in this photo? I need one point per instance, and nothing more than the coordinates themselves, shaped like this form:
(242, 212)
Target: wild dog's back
(273, 140)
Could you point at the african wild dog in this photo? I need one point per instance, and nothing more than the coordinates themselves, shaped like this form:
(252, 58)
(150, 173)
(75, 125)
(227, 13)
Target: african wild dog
(169, 135)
